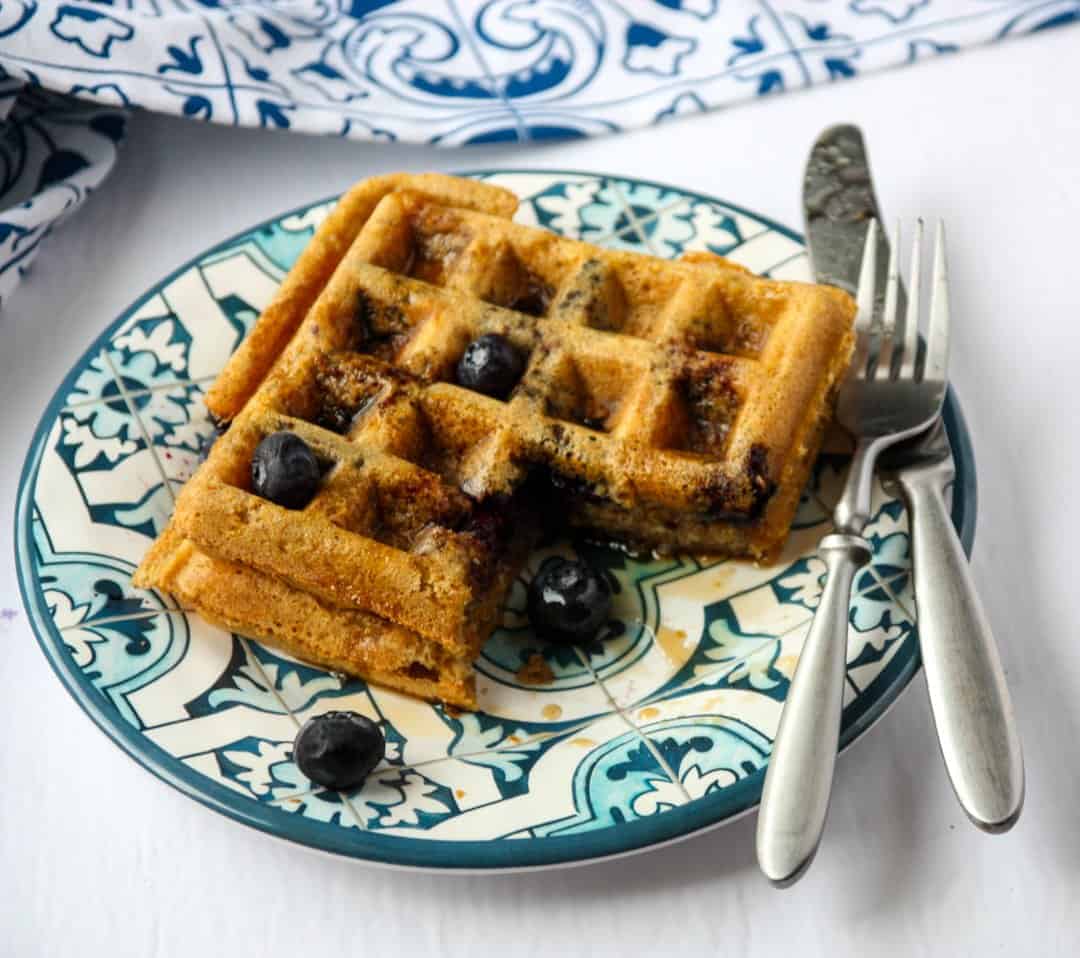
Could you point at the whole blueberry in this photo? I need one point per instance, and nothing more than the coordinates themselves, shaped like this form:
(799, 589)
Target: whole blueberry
(568, 601)
(285, 470)
(338, 749)
(491, 365)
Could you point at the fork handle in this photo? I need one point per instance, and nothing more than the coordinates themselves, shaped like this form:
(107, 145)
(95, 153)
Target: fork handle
(968, 695)
(795, 800)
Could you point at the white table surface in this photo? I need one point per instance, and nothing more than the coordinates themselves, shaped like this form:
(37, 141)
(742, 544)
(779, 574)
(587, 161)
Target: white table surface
(98, 857)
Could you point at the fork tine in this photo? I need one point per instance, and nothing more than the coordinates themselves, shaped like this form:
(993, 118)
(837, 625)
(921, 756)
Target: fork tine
(910, 349)
(883, 366)
(937, 336)
(864, 315)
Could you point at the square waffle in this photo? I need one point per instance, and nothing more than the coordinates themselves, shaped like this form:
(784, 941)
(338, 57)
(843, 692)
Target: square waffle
(672, 405)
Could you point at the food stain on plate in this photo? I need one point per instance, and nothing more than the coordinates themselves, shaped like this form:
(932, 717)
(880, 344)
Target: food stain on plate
(674, 643)
(787, 663)
(535, 671)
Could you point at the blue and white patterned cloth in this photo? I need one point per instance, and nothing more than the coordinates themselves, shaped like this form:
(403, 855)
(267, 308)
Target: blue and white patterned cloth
(53, 151)
(448, 72)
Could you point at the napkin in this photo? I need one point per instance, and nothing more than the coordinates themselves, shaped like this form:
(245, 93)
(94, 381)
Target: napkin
(53, 151)
(448, 72)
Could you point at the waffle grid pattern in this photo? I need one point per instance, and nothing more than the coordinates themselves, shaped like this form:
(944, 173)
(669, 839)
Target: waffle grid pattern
(620, 401)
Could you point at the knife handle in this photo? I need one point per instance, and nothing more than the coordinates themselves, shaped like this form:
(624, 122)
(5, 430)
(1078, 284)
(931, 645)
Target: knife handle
(798, 783)
(968, 695)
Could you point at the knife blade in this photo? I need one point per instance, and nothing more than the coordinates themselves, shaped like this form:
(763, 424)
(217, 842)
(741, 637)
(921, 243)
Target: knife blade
(968, 695)
(838, 204)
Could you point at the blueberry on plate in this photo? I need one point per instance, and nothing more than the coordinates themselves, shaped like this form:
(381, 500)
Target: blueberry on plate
(338, 749)
(568, 601)
(491, 365)
(285, 470)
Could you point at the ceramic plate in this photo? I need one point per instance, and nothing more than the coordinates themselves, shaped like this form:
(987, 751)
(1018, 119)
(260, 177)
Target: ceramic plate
(663, 729)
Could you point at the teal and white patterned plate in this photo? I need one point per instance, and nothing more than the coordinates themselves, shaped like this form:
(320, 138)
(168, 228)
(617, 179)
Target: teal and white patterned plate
(663, 730)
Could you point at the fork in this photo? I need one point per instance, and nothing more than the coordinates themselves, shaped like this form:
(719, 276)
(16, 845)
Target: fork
(891, 393)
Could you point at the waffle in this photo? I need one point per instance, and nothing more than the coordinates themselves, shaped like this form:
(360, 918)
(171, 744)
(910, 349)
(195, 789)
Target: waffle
(673, 405)
(238, 598)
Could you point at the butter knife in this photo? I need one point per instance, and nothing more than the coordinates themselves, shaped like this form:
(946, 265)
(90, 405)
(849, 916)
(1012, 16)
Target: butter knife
(968, 696)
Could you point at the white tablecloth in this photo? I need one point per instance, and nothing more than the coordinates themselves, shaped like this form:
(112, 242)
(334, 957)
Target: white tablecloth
(98, 857)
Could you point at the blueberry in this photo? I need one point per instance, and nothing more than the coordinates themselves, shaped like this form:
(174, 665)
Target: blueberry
(489, 522)
(491, 365)
(568, 601)
(285, 470)
(338, 749)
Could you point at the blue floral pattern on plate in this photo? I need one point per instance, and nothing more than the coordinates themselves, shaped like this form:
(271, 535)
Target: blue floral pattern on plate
(662, 729)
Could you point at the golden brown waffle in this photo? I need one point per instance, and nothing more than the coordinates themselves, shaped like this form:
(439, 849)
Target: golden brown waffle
(357, 643)
(675, 405)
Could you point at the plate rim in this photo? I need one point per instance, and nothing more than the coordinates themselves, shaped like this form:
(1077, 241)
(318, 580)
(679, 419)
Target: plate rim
(475, 856)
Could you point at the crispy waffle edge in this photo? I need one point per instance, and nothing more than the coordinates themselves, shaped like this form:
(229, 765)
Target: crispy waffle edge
(251, 603)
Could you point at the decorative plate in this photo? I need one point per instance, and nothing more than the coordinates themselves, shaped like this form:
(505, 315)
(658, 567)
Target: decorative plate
(660, 731)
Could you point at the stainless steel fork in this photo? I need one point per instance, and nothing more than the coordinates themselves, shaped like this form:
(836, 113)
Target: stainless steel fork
(891, 393)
